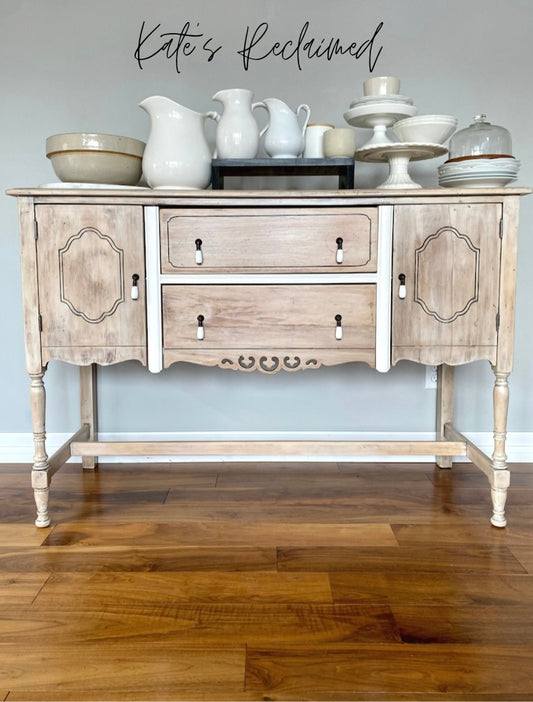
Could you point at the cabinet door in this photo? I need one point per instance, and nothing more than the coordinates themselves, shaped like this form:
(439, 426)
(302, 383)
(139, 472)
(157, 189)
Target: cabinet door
(87, 256)
(450, 257)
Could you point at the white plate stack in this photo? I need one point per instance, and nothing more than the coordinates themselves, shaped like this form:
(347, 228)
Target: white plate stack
(492, 171)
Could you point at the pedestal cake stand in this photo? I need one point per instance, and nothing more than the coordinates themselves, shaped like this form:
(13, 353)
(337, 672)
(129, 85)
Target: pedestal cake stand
(398, 156)
(378, 116)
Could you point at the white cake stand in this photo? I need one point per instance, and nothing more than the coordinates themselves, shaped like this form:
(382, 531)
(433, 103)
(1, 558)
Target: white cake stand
(398, 156)
(378, 116)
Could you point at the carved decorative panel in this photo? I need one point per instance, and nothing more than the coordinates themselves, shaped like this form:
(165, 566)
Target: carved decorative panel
(86, 292)
(446, 292)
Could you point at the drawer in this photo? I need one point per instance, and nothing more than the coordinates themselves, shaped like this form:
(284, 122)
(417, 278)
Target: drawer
(269, 316)
(252, 240)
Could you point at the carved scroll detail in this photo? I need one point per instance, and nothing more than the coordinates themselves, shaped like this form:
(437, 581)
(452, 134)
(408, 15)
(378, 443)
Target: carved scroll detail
(268, 364)
(446, 247)
(93, 298)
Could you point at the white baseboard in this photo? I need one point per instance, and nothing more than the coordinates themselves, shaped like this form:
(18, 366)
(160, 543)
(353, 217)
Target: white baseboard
(18, 448)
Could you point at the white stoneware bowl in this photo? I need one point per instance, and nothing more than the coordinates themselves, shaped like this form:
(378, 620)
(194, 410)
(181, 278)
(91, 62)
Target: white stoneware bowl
(381, 85)
(426, 129)
(83, 157)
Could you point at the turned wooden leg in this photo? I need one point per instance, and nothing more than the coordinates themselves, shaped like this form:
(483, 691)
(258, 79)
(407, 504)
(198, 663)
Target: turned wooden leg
(88, 409)
(39, 476)
(500, 474)
(445, 407)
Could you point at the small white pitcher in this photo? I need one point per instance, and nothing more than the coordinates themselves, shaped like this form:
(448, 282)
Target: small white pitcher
(284, 137)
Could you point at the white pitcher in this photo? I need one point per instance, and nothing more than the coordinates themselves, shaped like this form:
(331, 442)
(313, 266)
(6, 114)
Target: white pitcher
(284, 137)
(177, 154)
(237, 131)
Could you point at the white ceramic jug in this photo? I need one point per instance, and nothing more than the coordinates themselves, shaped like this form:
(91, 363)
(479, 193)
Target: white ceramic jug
(284, 137)
(177, 154)
(237, 131)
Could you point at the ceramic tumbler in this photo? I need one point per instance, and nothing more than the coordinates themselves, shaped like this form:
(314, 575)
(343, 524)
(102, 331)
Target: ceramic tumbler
(314, 147)
(339, 143)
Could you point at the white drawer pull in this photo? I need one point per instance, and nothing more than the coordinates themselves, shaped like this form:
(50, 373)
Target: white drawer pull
(402, 290)
(338, 328)
(134, 287)
(340, 252)
(199, 256)
(200, 333)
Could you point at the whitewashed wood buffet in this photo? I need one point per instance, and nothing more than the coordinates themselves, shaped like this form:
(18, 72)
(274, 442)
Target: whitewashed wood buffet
(269, 281)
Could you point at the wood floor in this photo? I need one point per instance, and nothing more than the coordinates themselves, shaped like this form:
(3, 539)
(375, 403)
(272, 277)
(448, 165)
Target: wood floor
(266, 582)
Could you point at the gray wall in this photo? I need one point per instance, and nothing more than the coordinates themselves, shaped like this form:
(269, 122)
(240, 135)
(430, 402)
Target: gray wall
(69, 66)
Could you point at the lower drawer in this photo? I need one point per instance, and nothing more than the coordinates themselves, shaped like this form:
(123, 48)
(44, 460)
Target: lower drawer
(270, 317)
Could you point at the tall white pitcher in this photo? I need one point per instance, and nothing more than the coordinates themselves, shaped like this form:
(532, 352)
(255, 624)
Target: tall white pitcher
(237, 130)
(177, 154)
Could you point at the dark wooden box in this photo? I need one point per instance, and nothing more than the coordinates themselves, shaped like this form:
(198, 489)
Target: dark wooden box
(341, 167)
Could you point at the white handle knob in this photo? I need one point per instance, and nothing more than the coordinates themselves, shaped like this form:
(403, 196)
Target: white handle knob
(340, 252)
(200, 333)
(199, 255)
(338, 328)
(134, 287)
(402, 290)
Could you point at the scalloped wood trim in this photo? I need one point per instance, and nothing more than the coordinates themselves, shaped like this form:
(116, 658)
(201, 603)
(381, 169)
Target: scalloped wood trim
(451, 355)
(104, 356)
(268, 360)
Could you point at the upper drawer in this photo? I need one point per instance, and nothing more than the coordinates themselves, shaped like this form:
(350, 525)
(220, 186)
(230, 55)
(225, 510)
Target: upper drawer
(251, 240)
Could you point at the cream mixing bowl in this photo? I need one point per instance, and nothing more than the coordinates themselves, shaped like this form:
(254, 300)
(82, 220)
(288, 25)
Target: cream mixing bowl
(83, 157)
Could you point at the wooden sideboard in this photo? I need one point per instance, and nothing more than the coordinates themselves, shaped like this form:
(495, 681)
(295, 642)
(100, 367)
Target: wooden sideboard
(269, 281)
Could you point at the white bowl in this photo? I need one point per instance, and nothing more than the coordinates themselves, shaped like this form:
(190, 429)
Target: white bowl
(431, 129)
(83, 157)
(381, 85)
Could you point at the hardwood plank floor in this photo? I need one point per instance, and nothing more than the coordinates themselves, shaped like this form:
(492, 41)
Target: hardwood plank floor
(305, 581)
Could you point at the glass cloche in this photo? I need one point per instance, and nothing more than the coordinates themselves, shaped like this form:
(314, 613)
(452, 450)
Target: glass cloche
(480, 139)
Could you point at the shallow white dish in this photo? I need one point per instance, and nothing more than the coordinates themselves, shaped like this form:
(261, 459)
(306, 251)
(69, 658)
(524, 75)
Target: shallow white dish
(370, 99)
(96, 186)
(385, 112)
(478, 182)
(479, 171)
(497, 176)
(472, 167)
(473, 160)
(475, 176)
(481, 174)
(482, 163)
(446, 174)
